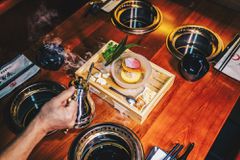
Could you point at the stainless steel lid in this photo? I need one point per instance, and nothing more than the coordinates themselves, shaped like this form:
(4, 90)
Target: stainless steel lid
(106, 141)
(137, 17)
(193, 38)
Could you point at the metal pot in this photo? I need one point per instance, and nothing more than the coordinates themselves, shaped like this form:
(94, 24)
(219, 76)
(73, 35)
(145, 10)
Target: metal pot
(106, 141)
(137, 17)
(194, 39)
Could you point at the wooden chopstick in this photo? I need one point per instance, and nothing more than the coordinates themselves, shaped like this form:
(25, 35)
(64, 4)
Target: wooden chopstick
(177, 151)
(172, 151)
(230, 44)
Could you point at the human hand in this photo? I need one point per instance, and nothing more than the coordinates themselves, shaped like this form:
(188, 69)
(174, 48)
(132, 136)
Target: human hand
(57, 114)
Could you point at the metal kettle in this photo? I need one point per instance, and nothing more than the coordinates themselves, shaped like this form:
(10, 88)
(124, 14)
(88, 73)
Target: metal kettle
(86, 105)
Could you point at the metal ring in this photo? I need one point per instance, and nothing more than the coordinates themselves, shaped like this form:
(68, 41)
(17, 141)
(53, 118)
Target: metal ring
(194, 38)
(137, 17)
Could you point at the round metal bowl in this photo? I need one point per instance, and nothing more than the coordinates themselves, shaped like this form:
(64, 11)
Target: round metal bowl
(137, 17)
(194, 39)
(106, 141)
(29, 101)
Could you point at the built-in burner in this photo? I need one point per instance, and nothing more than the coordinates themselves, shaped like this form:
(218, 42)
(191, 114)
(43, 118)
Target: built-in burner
(194, 39)
(28, 102)
(137, 17)
(106, 141)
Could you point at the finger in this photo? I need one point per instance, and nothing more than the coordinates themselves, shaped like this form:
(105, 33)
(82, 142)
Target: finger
(65, 94)
(72, 108)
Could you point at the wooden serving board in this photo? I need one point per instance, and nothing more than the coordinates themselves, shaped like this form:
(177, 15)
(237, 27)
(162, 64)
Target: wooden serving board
(160, 82)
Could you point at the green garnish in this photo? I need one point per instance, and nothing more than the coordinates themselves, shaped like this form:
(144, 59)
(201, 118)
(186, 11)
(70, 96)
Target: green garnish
(107, 54)
(114, 51)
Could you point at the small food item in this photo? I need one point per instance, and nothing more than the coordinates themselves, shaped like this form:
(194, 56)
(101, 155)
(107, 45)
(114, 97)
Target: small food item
(132, 63)
(98, 75)
(114, 51)
(107, 54)
(101, 81)
(121, 47)
(144, 98)
(92, 78)
(148, 95)
(131, 77)
(131, 69)
(100, 78)
(105, 75)
(140, 103)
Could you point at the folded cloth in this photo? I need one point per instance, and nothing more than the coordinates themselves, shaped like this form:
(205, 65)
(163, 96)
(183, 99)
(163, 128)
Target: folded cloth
(16, 72)
(229, 64)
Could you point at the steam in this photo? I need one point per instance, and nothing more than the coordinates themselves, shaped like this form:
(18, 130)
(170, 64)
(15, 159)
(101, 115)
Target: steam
(87, 55)
(72, 61)
(40, 21)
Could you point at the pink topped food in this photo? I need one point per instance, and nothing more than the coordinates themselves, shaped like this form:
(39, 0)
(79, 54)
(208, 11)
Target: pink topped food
(132, 63)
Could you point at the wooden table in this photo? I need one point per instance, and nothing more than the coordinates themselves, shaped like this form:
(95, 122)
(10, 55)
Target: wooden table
(189, 112)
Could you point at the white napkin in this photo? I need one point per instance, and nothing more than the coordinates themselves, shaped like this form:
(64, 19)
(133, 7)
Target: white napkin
(158, 154)
(232, 69)
(15, 73)
(110, 5)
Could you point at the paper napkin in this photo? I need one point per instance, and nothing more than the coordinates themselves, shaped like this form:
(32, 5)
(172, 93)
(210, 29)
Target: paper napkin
(15, 73)
(232, 68)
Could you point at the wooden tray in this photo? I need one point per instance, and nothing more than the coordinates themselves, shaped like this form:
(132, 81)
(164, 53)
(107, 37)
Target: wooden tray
(160, 82)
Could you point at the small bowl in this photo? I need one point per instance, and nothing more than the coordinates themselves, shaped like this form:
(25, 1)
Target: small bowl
(194, 39)
(116, 68)
(106, 141)
(137, 17)
(28, 102)
(193, 66)
(50, 56)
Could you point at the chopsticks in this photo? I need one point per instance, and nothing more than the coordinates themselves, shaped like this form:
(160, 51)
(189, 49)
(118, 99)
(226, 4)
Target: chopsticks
(156, 153)
(187, 152)
(236, 46)
(174, 152)
(229, 46)
(177, 151)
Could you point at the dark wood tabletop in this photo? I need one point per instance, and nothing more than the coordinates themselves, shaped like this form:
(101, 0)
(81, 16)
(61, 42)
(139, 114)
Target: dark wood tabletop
(189, 112)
